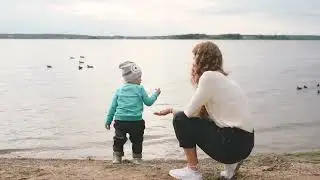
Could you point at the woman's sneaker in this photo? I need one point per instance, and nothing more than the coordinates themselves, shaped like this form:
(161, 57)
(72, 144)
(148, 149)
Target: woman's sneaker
(116, 159)
(230, 170)
(185, 173)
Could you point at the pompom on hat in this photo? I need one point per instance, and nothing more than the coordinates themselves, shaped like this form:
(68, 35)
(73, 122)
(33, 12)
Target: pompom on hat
(131, 72)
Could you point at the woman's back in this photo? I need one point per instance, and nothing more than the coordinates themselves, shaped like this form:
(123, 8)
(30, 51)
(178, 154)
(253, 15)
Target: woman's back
(225, 102)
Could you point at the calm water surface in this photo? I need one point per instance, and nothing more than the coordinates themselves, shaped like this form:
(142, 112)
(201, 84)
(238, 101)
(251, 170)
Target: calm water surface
(60, 112)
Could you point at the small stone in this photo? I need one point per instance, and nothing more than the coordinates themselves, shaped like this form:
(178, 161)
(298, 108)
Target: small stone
(268, 168)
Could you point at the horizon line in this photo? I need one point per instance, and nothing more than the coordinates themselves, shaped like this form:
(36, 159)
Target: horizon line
(79, 34)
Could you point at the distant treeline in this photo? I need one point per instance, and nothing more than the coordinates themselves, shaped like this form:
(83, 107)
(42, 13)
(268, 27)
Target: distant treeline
(182, 36)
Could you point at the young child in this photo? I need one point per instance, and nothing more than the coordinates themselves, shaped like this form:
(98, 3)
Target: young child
(126, 109)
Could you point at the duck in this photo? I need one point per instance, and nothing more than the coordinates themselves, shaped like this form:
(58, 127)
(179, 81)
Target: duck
(89, 66)
(71, 57)
(299, 88)
(81, 56)
(318, 85)
(81, 62)
(80, 67)
(318, 91)
(305, 87)
(49, 66)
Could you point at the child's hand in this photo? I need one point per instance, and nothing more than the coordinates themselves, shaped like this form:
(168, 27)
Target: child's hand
(158, 91)
(107, 126)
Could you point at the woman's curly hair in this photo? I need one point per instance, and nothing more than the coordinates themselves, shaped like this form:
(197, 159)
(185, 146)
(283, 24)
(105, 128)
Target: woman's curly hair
(207, 57)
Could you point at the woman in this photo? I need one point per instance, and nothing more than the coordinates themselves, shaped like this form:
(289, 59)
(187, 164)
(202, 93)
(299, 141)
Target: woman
(216, 119)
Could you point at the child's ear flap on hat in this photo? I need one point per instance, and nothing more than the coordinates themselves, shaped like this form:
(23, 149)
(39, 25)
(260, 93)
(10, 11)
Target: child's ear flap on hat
(124, 64)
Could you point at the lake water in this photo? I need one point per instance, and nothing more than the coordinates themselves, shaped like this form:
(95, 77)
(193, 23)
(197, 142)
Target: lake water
(59, 112)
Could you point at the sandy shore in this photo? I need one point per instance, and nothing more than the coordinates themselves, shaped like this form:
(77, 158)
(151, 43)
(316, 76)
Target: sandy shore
(261, 166)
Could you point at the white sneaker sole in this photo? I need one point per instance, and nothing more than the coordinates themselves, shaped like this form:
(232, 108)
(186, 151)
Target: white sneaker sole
(172, 175)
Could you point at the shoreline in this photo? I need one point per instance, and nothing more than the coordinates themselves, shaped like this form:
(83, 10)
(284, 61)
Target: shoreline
(303, 165)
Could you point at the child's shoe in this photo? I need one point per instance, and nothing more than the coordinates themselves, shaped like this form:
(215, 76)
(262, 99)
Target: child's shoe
(137, 161)
(116, 158)
(137, 158)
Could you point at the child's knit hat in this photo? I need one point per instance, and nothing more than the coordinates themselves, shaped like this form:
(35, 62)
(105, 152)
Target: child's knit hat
(131, 72)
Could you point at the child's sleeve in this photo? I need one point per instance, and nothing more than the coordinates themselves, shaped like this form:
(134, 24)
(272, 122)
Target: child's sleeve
(112, 110)
(148, 101)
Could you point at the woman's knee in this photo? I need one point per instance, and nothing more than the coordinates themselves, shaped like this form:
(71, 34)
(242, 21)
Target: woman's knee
(180, 121)
(179, 116)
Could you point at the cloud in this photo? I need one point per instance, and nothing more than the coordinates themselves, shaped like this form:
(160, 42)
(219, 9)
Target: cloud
(150, 11)
(160, 17)
(271, 7)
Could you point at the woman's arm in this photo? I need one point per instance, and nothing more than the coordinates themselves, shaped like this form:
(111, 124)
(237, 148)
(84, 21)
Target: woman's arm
(165, 112)
(199, 98)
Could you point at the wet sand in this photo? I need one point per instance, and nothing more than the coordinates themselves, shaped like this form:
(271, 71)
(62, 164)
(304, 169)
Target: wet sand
(260, 166)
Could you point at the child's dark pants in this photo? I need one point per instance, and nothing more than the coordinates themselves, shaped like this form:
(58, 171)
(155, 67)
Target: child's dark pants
(135, 129)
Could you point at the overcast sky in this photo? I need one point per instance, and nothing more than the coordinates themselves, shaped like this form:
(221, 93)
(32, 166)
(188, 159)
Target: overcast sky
(160, 17)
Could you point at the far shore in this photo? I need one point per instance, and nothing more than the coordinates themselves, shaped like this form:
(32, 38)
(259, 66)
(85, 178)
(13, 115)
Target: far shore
(304, 165)
(192, 36)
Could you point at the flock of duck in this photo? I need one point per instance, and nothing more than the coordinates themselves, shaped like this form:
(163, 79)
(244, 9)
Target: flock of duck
(80, 67)
(81, 63)
(305, 87)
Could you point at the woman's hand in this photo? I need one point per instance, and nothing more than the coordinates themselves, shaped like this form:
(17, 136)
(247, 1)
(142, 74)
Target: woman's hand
(107, 126)
(164, 112)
